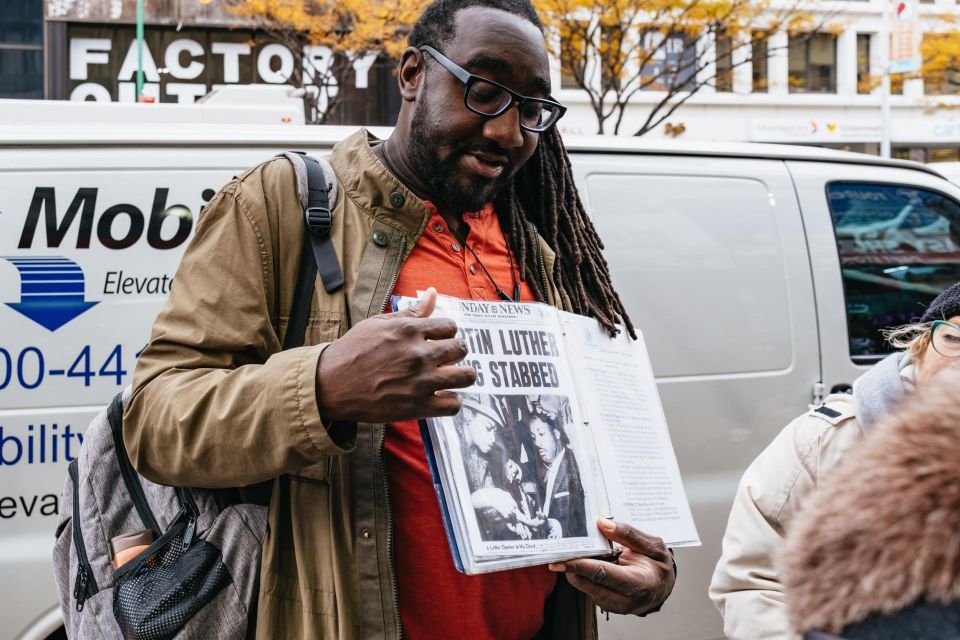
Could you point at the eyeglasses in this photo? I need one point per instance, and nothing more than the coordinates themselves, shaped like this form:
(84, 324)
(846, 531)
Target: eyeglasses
(490, 99)
(945, 338)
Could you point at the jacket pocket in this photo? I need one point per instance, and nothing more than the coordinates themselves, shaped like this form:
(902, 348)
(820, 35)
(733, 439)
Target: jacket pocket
(322, 326)
(319, 472)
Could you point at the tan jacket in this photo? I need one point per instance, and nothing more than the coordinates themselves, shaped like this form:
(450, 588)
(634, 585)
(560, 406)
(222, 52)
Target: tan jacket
(746, 585)
(218, 404)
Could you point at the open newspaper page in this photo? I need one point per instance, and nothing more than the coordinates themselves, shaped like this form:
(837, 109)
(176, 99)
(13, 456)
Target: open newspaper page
(515, 470)
(624, 415)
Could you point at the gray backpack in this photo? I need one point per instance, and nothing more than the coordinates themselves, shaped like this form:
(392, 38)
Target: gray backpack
(200, 576)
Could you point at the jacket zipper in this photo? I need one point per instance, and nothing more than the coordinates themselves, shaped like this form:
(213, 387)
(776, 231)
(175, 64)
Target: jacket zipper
(386, 493)
(86, 584)
(402, 246)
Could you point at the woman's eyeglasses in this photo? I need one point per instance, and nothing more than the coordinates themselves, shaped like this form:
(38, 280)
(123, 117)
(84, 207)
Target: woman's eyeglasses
(945, 338)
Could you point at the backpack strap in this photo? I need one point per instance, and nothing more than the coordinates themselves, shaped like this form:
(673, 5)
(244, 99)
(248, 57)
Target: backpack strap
(317, 188)
(130, 478)
(319, 219)
(302, 297)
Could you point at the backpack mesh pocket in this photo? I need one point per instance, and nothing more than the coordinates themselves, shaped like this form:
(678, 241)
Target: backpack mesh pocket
(157, 593)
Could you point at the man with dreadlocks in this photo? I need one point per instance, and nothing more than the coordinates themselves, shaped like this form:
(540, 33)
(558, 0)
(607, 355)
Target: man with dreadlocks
(472, 195)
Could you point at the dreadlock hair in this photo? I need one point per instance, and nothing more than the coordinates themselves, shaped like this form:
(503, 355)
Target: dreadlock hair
(541, 199)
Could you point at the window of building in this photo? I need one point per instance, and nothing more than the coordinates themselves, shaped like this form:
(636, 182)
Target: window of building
(899, 247)
(947, 154)
(812, 63)
(724, 49)
(941, 72)
(668, 61)
(758, 55)
(611, 54)
(926, 154)
(865, 80)
(21, 49)
(572, 55)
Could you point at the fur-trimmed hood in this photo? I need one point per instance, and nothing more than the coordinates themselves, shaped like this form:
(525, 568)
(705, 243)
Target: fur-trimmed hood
(884, 530)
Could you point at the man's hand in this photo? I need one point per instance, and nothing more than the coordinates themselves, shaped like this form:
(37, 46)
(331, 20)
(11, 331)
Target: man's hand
(394, 367)
(638, 583)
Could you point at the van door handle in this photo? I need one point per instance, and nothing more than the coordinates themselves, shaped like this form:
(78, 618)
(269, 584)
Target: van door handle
(843, 387)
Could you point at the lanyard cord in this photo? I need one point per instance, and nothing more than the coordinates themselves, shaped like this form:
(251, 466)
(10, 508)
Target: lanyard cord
(516, 285)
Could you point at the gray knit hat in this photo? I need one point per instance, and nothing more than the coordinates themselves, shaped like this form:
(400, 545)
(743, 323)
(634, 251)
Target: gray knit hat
(944, 306)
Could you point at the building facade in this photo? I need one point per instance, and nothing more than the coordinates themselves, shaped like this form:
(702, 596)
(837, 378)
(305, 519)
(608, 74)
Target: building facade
(815, 90)
(87, 50)
(812, 90)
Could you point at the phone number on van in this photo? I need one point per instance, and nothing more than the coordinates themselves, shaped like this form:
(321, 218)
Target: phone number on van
(28, 368)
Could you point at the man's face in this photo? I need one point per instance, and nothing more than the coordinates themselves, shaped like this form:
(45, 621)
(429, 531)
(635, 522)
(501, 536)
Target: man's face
(482, 431)
(467, 158)
(544, 440)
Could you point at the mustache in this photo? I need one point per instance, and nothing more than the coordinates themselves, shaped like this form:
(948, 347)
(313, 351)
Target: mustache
(485, 146)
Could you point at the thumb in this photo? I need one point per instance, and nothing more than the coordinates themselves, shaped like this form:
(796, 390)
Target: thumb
(424, 306)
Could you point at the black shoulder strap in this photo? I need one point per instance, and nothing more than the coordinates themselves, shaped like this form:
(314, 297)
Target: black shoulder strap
(319, 219)
(130, 478)
(302, 296)
(317, 245)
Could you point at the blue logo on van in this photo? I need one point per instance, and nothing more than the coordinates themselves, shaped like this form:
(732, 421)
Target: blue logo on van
(51, 290)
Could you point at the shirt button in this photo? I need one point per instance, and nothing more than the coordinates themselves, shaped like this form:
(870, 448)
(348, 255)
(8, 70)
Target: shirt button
(473, 269)
(380, 239)
(365, 533)
(455, 246)
(438, 228)
(397, 199)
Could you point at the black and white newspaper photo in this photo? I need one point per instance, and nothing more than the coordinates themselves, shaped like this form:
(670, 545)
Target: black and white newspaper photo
(523, 475)
(522, 479)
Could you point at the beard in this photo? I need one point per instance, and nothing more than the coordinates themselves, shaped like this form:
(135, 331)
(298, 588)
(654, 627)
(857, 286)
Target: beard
(462, 192)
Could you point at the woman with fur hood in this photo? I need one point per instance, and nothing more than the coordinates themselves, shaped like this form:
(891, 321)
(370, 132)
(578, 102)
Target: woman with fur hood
(746, 585)
(875, 555)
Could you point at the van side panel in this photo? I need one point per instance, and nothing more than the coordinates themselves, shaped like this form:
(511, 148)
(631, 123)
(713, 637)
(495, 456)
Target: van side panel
(90, 239)
(709, 255)
(710, 259)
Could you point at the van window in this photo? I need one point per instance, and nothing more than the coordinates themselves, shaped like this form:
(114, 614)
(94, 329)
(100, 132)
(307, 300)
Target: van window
(698, 264)
(899, 248)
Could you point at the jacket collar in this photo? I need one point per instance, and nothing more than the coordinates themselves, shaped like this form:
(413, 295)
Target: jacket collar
(372, 187)
(879, 391)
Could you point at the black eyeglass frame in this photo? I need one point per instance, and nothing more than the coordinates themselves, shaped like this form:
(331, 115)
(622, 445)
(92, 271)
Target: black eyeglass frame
(468, 79)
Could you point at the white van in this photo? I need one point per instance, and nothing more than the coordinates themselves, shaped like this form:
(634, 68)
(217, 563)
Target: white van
(759, 274)
(949, 170)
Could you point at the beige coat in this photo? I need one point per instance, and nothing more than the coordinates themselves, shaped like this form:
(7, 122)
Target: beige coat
(746, 585)
(217, 403)
(878, 547)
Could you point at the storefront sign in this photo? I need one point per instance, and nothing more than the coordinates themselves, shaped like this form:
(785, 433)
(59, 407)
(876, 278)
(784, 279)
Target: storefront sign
(184, 65)
(814, 130)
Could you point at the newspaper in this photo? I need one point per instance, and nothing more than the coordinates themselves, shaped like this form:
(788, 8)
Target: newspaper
(548, 440)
